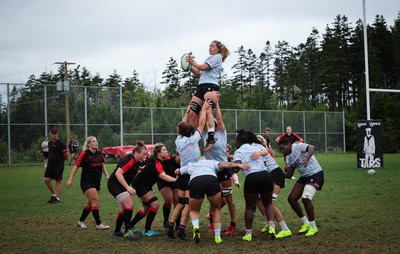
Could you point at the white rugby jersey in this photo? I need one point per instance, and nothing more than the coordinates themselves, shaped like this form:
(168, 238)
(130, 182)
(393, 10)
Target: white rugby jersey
(269, 161)
(243, 154)
(200, 168)
(218, 150)
(188, 148)
(298, 154)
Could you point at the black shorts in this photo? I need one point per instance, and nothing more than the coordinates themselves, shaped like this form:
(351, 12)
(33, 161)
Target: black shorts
(317, 180)
(182, 183)
(141, 190)
(204, 185)
(278, 177)
(45, 155)
(224, 175)
(115, 188)
(55, 171)
(161, 184)
(259, 182)
(88, 183)
(202, 89)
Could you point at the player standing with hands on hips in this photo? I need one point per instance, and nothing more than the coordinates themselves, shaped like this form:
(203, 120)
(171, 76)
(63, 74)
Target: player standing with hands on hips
(209, 86)
(301, 156)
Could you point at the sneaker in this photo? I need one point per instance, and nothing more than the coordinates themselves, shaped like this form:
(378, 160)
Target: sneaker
(211, 227)
(118, 234)
(271, 233)
(218, 239)
(150, 233)
(51, 200)
(312, 231)
(55, 201)
(181, 235)
(247, 237)
(196, 234)
(265, 228)
(209, 144)
(284, 233)
(230, 230)
(170, 232)
(293, 178)
(102, 226)
(166, 225)
(81, 224)
(304, 228)
(130, 234)
(135, 230)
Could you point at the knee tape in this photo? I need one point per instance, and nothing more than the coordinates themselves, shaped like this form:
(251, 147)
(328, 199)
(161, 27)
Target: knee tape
(227, 191)
(309, 192)
(183, 201)
(274, 196)
(195, 107)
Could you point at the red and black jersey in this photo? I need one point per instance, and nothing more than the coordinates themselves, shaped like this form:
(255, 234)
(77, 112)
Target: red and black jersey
(149, 174)
(56, 151)
(292, 138)
(170, 165)
(91, 163)
(130, 168)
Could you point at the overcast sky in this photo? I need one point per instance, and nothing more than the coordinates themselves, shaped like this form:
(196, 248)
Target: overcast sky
(142, 35)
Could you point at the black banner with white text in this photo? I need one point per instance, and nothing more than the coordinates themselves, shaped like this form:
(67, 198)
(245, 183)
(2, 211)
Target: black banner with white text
(369, 144)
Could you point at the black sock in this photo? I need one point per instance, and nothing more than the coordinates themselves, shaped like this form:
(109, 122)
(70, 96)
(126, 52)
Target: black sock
(127, 215)
(166, 212)
(119, 221)
(96, 214)
(139, 215)
(210, 135)
(233, 224)
(86, 211)
(150, 217)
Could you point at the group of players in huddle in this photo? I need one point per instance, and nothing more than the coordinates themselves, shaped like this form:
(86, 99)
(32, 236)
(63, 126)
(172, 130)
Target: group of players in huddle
(185, 178)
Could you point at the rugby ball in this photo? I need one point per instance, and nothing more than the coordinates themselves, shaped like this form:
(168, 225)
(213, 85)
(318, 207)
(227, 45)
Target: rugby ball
(184, 63)
(371, 171)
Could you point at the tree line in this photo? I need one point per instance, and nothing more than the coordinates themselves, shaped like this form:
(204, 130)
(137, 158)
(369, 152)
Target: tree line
(324, 73)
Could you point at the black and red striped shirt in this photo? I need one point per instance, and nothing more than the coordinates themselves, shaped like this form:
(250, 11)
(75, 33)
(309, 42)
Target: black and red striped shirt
(91, 163)
(150, 173)
(129, 167)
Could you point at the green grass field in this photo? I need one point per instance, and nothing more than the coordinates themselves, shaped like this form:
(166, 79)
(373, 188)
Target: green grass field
(355, 213)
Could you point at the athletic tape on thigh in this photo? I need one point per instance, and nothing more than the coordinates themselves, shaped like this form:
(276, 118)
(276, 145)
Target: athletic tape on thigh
(183, 201)
(195, 107)
(150, 201)
(120, 197)
(309, 192)
(227, 191)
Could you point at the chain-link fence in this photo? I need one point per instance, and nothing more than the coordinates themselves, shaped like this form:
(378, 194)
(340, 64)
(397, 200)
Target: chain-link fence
(28, 112)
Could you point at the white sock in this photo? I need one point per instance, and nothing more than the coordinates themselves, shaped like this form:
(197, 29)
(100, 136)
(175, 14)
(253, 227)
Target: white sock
(312, 224)
(304, 220)
(195, 223)
(283, 225)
